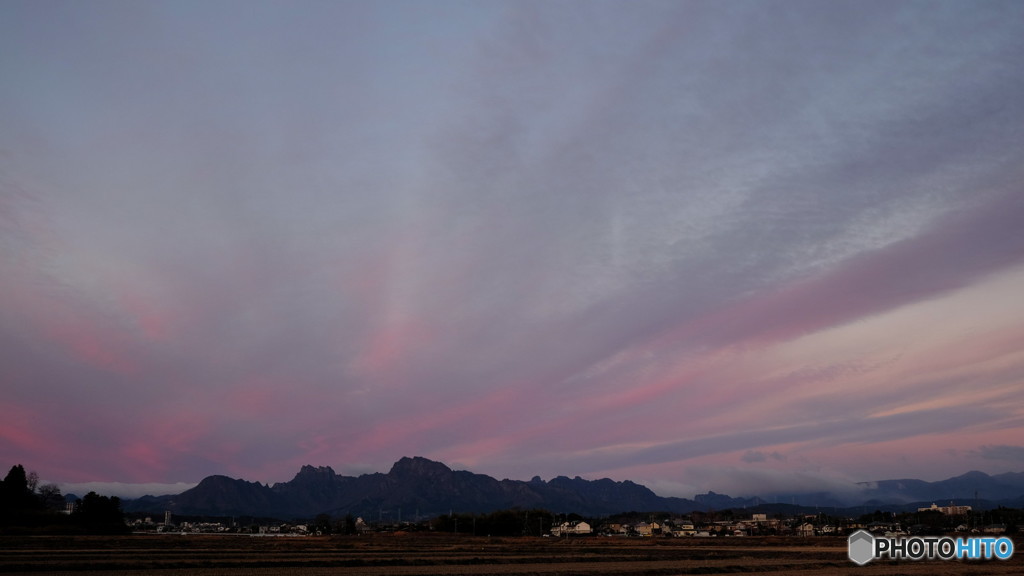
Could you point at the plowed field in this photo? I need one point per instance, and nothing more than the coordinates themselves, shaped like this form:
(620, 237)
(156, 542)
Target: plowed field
(434, 554)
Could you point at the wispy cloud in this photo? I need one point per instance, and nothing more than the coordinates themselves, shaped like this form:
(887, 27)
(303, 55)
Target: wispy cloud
(752, 456)
(1007, 452)
(531, 238)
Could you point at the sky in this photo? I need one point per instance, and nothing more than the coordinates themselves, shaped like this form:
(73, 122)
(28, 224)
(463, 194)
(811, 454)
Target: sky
(732, 246)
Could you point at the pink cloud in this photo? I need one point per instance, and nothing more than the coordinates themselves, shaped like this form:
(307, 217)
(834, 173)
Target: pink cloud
(924, 266)
(79, 329)
(390, 347)
(253, 398)
(154, 322)
(144, 457)
(22, 434)
(485, 415)
(144, 447)
(44, 439)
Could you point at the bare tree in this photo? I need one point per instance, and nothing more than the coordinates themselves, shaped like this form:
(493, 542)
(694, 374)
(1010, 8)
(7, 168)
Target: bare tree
(51, 497)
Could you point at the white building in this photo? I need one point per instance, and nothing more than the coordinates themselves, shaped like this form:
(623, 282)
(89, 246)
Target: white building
(571, 528)
(950, 510)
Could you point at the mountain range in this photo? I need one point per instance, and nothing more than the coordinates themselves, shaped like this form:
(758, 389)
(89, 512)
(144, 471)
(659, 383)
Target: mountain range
(421, 488)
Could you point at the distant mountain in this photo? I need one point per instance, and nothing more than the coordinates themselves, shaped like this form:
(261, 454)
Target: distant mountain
(713, 501)
(413, 486)
(962, 489)
(418, 487)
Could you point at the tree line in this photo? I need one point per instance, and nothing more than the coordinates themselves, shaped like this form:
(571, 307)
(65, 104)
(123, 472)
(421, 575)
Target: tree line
(513, 522)
(25, 506)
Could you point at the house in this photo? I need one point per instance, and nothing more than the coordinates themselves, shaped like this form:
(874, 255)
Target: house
(684, 529)
(995, 529)
(805, 529)
(571, 528)
(618, 529)
(645, 529)
(883, 526)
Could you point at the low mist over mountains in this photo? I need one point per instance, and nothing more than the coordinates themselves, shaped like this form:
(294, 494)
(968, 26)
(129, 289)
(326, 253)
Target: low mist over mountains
(418, 488)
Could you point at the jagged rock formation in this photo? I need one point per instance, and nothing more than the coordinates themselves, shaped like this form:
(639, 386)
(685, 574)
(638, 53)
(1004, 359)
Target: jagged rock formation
(418, 487)
(412, 486)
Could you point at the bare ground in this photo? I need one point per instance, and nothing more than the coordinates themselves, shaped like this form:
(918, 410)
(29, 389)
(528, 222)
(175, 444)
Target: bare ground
(436, 554)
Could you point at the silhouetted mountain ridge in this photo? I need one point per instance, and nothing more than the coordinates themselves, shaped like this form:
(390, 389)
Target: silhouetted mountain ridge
(964, 488)
(419, 488)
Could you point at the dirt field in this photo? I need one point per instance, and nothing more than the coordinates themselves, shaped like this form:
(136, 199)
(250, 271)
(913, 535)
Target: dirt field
(433, 554)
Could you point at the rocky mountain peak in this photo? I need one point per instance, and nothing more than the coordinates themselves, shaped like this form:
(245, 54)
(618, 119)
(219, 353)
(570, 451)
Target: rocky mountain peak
(308, 471)
(418, 467)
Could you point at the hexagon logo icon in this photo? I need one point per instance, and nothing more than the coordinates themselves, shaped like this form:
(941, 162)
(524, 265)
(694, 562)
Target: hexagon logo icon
(861, 547)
